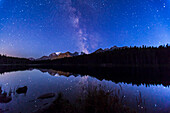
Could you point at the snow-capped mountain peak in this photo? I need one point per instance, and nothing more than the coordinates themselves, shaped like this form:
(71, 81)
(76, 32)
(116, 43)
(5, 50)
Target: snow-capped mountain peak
(57, 53)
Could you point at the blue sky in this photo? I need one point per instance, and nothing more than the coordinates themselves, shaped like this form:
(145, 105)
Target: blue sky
(33, 28)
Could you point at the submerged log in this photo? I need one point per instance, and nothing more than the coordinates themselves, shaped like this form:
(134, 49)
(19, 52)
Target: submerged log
(46, 96)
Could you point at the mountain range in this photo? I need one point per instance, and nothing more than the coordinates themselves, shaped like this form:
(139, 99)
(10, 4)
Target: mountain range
(59, 55)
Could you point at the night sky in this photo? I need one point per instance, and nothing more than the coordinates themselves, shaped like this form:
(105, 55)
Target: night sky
(33, 28)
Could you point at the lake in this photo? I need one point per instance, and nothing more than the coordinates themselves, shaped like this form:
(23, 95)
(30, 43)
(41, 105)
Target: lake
(155, 98)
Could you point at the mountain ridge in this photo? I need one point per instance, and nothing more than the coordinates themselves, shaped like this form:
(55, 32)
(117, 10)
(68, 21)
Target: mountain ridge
(59, 55)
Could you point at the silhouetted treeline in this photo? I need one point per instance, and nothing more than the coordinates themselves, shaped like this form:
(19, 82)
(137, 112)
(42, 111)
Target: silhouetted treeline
(13, 60)
(127, 56)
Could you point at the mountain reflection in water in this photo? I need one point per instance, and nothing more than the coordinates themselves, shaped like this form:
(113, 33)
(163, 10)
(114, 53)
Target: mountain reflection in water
(143, 98)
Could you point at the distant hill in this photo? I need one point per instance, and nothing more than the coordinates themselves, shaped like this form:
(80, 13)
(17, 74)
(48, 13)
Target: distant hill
(110, 49)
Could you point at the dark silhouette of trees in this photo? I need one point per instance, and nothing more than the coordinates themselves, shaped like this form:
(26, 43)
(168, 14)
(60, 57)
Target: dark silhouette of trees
(13, 60)
(116, 57)
(126, 56)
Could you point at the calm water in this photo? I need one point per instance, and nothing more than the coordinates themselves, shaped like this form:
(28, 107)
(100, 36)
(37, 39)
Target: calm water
(155, 98)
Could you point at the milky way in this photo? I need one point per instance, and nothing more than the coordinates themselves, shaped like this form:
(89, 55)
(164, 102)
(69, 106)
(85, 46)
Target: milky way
(84, 40)
(75, 16)
(33, 28)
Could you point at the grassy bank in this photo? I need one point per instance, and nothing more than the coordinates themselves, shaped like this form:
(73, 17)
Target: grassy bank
(96, 100)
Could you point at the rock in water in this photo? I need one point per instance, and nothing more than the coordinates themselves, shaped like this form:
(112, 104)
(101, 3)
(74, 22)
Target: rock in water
(5, 99)
(22, 90)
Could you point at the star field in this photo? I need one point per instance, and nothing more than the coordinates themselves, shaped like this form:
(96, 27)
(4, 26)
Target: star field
(33, 28)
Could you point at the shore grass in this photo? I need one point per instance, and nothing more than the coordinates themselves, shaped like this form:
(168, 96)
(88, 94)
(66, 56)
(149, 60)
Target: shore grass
(95, 101)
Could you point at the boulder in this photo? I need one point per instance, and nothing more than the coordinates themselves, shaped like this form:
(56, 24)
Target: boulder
(22, 90)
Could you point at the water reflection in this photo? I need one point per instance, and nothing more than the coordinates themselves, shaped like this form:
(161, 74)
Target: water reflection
(55, 72)
(155, 75)
(154, 98)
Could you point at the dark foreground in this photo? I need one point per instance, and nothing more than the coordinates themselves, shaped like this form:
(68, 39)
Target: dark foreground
(95, 101)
